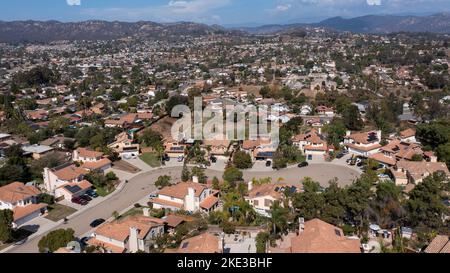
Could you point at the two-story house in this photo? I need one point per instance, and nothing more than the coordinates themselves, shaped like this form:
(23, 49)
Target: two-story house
(189, 196)
(66, 181)
(133, 234)
(363, 143)
(261, 197)
(92, 160)
(23, 201)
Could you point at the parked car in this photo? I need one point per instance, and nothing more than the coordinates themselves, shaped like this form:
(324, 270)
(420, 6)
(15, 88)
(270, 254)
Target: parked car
(303, 164)
(166, 157)
(202, 166)
(213, 159)
(97, 222)
(180, 158)
(340, 155)
(268, 163)
(79, 201)
(92, 193)
(86, 197)
(309, 157)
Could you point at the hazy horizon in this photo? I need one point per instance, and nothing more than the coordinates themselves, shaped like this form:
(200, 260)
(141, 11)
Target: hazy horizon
(229, 13)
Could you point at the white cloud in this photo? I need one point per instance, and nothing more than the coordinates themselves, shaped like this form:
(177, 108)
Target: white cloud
(374, 2)
(284, 7)
(174, 10)
(73, 2)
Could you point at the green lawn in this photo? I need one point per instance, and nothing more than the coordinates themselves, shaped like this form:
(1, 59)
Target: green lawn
(151, 159)
(57, 212)
(102, 192)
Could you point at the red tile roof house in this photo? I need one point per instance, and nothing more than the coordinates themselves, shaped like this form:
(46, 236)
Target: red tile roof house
(66, 181)
(414, 172)
(92, 160)
(189, 196)
(22, 200)
(261, 197)
(133, 234)
(312, 143)
(317, 236)
(397, 150)
(363, 144)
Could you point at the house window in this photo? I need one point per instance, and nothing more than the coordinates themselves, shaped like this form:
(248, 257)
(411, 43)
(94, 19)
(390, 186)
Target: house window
(267, 202)
(256, 202)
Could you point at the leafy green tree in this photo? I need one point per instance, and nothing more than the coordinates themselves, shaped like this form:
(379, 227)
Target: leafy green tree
(443, 153)
(185, 174)
(335, 132)
(310, 202)
(261, 242)
(232, 175)
(279, 217)
(200, 174)
(163, 181)
(242, 160)
(6, 230)
(56, 239)
(425, 205)
(215, 183)
(434, 134)
(352, 118)
(334, 207)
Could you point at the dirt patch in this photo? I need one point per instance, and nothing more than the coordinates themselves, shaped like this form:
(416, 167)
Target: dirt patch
(125, 166)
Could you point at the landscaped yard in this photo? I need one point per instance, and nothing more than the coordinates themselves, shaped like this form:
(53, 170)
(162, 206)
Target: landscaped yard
(57, 212)
(151, 159)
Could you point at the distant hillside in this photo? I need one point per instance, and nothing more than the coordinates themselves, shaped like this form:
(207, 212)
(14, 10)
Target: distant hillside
(37, 31)
(381, 24)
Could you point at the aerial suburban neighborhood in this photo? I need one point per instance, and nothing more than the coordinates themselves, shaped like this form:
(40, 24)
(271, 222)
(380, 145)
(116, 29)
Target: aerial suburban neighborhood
(90, 161)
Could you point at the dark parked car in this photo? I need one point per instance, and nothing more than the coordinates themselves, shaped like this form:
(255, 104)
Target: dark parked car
(79, 201)
(86, 197)
(166, 157)
(268, 163)
(340, 155)
(92, 193)
(303, 164)
(213, 159)
(97, 222)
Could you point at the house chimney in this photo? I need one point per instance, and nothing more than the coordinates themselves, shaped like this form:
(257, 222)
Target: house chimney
(133, 243)
(301, 225)
(250, 185)
(146, 212)
(195, 179)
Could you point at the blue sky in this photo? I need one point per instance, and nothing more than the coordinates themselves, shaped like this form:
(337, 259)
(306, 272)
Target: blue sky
(225, 12)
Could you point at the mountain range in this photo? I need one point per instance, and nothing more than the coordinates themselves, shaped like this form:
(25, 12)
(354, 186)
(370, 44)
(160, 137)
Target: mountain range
(44, 31)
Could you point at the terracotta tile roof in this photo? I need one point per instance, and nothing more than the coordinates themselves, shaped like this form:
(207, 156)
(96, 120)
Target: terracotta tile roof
(96, 165)
(418, 169)
(209, 202)
(109, 247)
(252, 144)
(173, 220)
(203, 243)
(20, 212)
(363, 148)
(274, 190)
(361, 137)
(180, 190)
(166, 203)
(321, 237)
(70, 172)
(17, 191)
(84, 152)
(440, 244)
(120, 230)
(380, 157)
